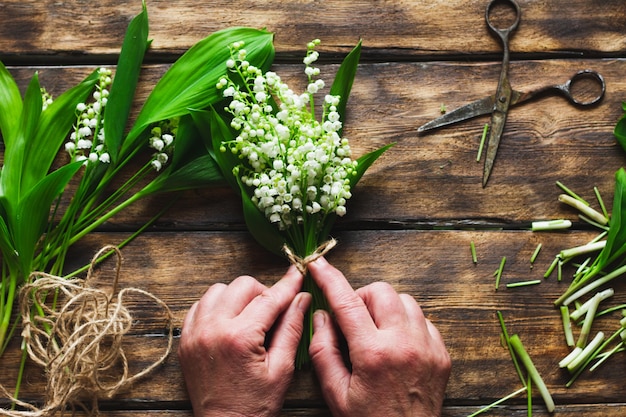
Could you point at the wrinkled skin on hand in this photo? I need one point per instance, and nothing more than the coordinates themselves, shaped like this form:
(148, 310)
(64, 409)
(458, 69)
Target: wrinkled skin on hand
(400, 366)
(228, 369)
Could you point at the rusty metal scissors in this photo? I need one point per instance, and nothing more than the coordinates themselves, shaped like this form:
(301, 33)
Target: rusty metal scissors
(499, 103)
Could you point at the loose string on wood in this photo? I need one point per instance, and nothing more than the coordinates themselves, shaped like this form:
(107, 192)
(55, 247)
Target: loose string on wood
(76, 333)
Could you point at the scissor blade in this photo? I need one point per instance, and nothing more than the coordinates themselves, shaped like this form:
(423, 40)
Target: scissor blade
(468, 111)
(498, 120)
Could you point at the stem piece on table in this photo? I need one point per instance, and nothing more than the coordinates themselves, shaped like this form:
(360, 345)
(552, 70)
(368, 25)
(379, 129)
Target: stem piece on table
(550, 225)
(553, 265)
(482, 142)
(570, 357)
(582, 310)
(584, 208)
(569, 297)
(473, 251)
(582, 250)
(589, 316)
(521, 353)
(571, 193)
(507, 339)
(500, 401)
(605, 357)
(586, 352)
(499, 272)
(601, 202)
(567, 326)
(523, 283)
(535, 254)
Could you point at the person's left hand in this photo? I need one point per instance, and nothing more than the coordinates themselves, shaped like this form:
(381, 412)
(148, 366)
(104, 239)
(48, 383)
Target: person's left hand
(230, 366)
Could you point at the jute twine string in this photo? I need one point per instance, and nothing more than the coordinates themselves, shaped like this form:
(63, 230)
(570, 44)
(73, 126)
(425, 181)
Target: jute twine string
(79, 343)
(302, 263)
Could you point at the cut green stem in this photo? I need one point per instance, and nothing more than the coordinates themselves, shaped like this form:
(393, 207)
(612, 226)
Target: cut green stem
(583, 208)
(500, 401)
(473, 251)
(482, 142)
(523, 283)
(499, 272)
(544, 225)
(523, 356)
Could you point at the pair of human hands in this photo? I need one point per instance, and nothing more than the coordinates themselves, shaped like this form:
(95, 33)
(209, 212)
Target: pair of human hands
(399, 363)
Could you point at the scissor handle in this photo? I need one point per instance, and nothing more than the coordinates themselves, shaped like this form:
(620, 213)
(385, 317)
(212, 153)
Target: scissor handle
(580, 76)
(503, 32)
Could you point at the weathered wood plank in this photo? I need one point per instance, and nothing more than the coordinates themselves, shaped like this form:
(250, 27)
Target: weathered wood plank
(587, 410)
(544, 141)
(434, 266)
(84, 30)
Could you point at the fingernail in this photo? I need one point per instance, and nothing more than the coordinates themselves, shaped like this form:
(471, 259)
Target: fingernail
(320, 261)
(319, 319)
(303, 302)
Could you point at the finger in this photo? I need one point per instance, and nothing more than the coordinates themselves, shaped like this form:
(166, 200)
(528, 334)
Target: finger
(384, 305)
(327, 360)
(288, 332)
(414, 312)
(350, 311)
(271, 302)
(227, 301)
(189, 320)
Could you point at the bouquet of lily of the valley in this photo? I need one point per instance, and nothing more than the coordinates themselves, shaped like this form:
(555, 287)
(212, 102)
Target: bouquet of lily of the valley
(294, 172)
(49, 201)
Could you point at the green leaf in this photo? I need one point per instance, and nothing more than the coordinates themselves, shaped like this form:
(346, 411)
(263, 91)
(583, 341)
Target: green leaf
(13, 169)
(616, 239)
(221, 132)
(342, 85)
(264, 232)
(10, 105)
(365, 161)
(6, 245)
(190, 81)
(620, 131)
(30, 221)
(200, 172)
(125, 82)
(53, 128)
(189, 142)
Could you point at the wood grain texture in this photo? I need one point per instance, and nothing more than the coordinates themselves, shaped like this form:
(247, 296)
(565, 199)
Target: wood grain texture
(434, 266)
(545, 141)
(417, 208)
(84, 29)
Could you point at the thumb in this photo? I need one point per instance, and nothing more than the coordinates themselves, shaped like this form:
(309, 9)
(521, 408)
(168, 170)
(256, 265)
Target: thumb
(328, 362)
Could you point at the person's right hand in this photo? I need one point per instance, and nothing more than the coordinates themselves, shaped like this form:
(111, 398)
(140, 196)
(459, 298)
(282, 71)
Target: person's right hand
(400, 366)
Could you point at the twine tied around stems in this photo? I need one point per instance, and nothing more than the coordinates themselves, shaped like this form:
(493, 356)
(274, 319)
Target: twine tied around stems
(302, 263)
(80, 342)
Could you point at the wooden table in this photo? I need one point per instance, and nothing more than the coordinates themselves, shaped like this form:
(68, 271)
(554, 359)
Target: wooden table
(416, 210)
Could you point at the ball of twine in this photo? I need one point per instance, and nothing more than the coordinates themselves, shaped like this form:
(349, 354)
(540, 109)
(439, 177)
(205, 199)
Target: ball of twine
(79, 342)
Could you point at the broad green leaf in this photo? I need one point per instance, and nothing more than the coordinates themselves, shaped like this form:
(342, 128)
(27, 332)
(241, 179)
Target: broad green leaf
(260, 227)
(342, 85)
(6, 245)
(221, 132)
(10, 105)
(125, 82)
(200, 172)
(53, 128)
(616, 239)
(190, 81)
(620, 130)
(13, 170)
(365, 161)
(30, 221)
(189, 142)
